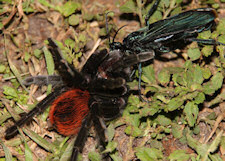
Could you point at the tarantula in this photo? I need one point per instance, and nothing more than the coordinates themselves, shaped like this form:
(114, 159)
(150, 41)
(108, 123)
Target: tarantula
(81, 99)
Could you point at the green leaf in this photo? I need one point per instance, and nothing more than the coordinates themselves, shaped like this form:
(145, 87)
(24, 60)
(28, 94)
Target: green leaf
(147, 111)
(179, 155)
(206, 73)
(110, 132)
(148, 74)
(88, 16)
(133, 131)
(40, 141)
(93, 156)
(148, 154)
(220, 27)
(163, 120)
(128, 7)
(111, 146)
(215, 143)
(177, 130)
(222, 144)
(175, 103)
(1, 26)
(45, 3)
(204, 35)
(74, 19)
(197, 75)
(194, 54)
(215, 157)
(37, 53)
(200, 148)
(9, 91)
(8, 154)
(2, 68)
(199, 98)
(214, 84)
(164, 76)
(68, 151)
(28, 152)
(69, 8)
(191, 112)
(49, 61)
(207, 50)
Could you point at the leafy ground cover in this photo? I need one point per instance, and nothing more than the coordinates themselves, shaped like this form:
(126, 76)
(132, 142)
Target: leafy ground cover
(184, 119)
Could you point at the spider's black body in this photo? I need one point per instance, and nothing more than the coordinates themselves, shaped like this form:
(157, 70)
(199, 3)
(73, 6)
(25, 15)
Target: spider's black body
(96, 94)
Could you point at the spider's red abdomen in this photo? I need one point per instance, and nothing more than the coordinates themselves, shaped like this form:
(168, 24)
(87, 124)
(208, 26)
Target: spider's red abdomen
(68, 110)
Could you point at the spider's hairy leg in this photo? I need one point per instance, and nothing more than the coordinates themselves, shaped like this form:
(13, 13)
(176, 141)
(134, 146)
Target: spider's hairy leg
(81, 137)
(133, 59)
(40, 80)
(40, 107)
(109, 83)
(108, 107)
(66, 71)
(91, 66)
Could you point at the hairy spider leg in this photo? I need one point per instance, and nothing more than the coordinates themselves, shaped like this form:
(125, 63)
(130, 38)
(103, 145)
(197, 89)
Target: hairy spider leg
(40, 107)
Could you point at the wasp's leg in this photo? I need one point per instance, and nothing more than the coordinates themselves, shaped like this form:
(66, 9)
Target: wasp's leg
(151, 11)
(40, 107)
(205, 41)
(139, 83)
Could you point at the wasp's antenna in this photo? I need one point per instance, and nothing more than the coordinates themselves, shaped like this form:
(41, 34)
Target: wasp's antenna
(117, 33)
(106, 25)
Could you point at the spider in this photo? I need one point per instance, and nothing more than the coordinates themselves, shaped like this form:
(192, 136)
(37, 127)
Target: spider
(81, 99)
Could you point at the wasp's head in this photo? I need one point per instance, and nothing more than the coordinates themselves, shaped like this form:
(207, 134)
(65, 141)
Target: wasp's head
(116, 46)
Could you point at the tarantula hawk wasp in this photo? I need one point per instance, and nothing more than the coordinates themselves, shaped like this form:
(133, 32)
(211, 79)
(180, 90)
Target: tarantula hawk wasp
(96, 94)
(167, 35)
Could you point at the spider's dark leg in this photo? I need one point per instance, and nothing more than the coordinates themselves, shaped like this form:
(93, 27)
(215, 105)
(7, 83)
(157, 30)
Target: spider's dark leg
(91, 66)
(66, 71)
(40, 107)
(109, 107)
(100, 128)
(109, 83)
(131, 60)
(81, 137)
(205, 41)
(151, 11)
(40, 80)
(108, 91)
(105, 109)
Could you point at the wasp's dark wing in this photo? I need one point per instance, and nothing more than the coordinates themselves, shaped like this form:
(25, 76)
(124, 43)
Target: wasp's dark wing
(175, 28)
